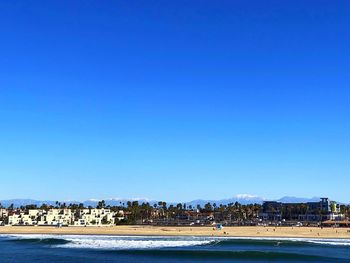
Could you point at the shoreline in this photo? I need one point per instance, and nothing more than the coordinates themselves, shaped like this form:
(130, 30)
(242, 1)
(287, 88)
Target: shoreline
(200, 231)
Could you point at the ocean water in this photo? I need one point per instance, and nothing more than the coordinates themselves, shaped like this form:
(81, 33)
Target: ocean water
(91, 248)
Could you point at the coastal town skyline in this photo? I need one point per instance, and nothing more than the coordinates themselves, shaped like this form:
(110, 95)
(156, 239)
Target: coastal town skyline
(98, 213)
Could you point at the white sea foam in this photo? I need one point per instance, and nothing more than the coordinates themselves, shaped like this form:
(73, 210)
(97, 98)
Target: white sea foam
(119, 242)
(321, 241)
(331, 242)
(130, 244)
(110, 242)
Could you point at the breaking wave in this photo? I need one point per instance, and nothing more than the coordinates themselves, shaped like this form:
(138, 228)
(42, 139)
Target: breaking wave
(151, 242)
(283, 241)
(110, 242)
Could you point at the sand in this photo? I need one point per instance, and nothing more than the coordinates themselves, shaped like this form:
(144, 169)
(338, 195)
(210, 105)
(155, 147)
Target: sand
(303, 232)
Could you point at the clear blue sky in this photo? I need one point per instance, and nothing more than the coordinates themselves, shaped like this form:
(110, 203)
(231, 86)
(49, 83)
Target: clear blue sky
(174, 100)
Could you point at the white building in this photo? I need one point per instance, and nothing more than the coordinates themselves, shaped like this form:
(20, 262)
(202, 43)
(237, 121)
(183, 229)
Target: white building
(3, 216)
(55, 217)
(62, 217)
(97, 217)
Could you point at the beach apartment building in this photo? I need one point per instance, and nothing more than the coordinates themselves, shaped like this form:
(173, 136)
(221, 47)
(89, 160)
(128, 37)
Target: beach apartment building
(3, 216)
(30, 217)
(3, 212)
(20, 218)
(87, 217)
(13, 219)
(55, 217)
(324, 209)
(27, 219)
(97, 217)
(61, 217)
(271, 211)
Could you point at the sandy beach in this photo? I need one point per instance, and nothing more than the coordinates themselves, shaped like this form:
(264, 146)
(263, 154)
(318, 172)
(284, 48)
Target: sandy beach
(302, 232)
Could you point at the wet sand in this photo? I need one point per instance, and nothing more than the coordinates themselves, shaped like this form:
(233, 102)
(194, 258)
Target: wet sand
(303, 232)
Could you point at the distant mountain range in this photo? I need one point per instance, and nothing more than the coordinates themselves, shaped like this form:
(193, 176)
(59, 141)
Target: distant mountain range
(241, 198)
(292, 199)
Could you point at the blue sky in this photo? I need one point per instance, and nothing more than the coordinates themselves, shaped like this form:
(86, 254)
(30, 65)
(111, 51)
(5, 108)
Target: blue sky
(174, 100)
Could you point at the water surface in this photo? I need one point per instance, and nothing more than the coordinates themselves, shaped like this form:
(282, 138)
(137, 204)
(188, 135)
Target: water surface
(92, 248)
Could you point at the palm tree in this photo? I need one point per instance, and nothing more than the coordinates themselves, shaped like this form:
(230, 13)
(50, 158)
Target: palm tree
(208, 207)
(101, 204)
